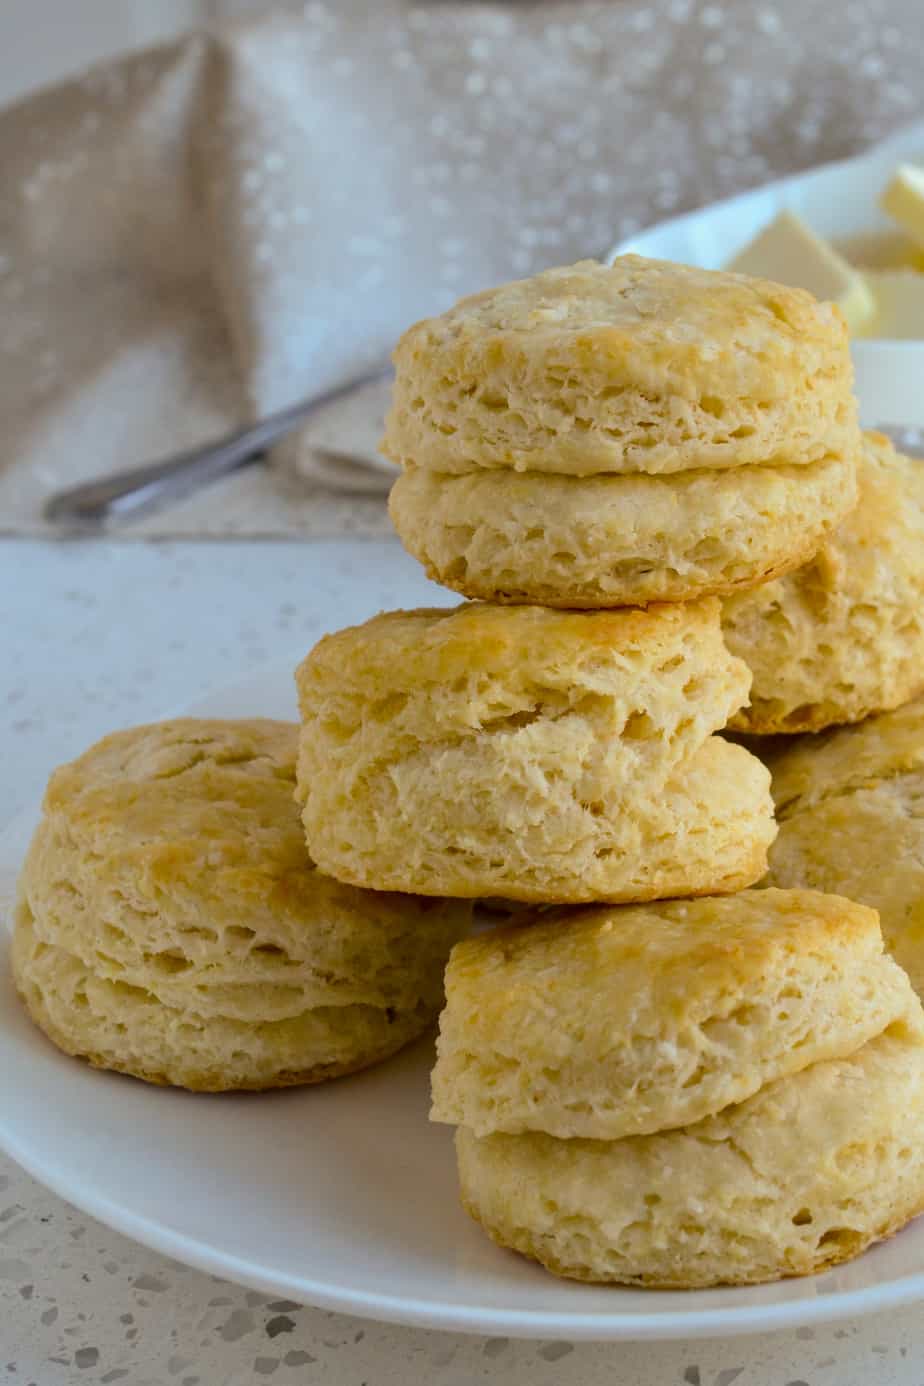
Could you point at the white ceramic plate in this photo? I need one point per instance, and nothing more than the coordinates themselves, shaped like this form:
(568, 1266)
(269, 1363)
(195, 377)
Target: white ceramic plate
(344, 1196)
(839, 201)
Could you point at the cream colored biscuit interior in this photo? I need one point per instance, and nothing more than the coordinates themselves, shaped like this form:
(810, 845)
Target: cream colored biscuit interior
(705, 832)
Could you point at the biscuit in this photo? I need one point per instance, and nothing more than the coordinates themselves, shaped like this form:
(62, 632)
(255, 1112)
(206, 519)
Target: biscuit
(171, 924)
(804, 1174)
(851, 811)
(530, 754)
(617, 540)
(844, 635)
(610, 1022)
(641, 366)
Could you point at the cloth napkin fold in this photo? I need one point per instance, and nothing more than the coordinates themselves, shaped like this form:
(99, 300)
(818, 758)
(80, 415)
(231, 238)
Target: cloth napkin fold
(201, 233)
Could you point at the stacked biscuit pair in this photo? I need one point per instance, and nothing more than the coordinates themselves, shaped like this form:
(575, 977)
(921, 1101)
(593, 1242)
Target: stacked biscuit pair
(596, 454)
(601, 436)
(681, 1094)
(720, 460)
(717, 1090)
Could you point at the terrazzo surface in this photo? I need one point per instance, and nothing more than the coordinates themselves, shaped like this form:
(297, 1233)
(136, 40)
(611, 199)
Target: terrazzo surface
(102, 634)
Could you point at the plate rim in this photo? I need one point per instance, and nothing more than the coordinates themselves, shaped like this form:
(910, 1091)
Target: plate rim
(627, 1326)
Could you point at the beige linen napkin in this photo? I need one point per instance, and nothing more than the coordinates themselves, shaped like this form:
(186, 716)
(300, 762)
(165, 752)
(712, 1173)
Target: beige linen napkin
(204, 232)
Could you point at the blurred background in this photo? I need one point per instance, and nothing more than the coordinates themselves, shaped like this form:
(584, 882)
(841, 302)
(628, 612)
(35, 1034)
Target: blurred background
(241, 206)
(42, 40)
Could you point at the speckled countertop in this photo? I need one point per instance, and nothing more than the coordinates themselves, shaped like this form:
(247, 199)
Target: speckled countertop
(99, 635)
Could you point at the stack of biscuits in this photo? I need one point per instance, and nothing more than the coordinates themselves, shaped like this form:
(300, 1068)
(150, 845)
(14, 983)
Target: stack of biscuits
(721, 1090)
(595, 455)
(643, 479)
(687, 1093)
(602, 436)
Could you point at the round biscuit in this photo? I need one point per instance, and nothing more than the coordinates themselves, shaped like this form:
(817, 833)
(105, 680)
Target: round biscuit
(530, 754)
(171, 924)
(639, 366)
(803, 1175)
(611, 1022)
(608, 540)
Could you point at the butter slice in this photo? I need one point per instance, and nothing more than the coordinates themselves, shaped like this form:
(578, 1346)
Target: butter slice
(789, 251)
(899, 299)
(882, 250)
(903, 200)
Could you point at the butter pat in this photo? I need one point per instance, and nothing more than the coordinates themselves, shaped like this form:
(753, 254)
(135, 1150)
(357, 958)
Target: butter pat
(899, 300)
(789, 251)
(882, 250)
(903, 200)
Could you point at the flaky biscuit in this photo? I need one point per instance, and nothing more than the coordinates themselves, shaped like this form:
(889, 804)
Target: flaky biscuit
(842, 636)
(642, 366)
(126, 1029)
(803, 1175)
(171, 924)
(530, 754)
(851, 811)
(705, 832)
(811, 769)
(617, 540)
(610, 1022)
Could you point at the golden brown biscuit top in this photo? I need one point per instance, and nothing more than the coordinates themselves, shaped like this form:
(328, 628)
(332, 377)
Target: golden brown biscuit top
(407, 648)
(638, 311)
(666, 959)
(204, 810)
(850, 758)
(220, 792)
